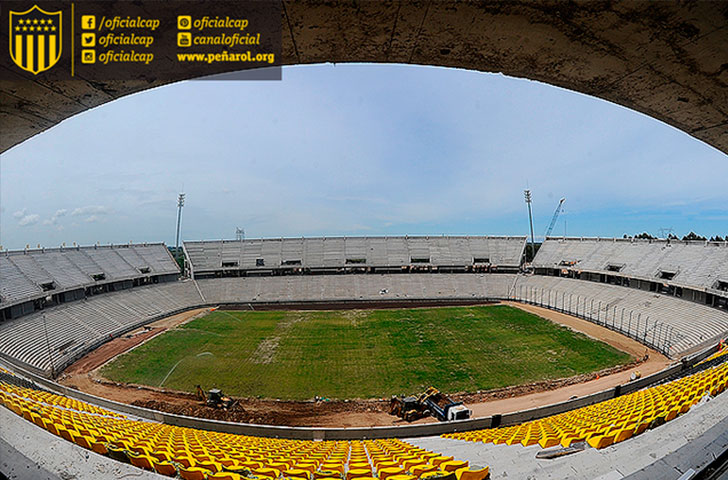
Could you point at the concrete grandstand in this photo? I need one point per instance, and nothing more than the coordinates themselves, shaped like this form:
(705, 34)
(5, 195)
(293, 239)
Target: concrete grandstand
(371, 254)
(665, 59)
(694, 270)
(34, 278)
(141, 284)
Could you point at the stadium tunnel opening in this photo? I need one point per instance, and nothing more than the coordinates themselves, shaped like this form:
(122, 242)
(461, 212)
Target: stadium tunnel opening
(643, 56)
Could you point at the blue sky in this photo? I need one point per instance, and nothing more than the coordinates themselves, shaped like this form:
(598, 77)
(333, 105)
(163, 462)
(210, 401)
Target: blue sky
(357, 150)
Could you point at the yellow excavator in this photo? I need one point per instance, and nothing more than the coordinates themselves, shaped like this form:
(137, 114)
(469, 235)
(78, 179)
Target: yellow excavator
(214, 398)
(408, 409)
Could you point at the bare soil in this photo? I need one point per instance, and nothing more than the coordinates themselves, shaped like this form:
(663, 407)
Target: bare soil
(83, 375)
(128, 341)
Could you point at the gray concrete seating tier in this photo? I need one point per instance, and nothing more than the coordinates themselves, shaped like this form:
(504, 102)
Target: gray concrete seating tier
(26, 275)
(375, 287)
(77, 326)
(693, 324)
(694, 264)
(342, 252)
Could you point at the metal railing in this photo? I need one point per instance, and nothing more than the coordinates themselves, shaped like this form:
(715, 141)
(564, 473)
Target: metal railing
(652, 333)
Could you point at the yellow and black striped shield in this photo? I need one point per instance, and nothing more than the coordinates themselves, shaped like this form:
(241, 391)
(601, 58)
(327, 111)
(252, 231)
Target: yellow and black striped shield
(35, 39)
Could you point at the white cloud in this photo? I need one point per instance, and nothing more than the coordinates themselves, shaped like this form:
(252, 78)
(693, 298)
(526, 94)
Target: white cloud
(54, 218)
(90, 210)
(92, 219)
(28, 220)
(24, 219)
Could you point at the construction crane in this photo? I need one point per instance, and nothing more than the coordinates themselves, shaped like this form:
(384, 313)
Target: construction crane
(555, 217)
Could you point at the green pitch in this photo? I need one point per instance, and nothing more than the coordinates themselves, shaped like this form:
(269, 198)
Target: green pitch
(362, 353)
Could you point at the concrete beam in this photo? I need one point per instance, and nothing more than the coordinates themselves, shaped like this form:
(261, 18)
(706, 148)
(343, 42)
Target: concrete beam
(665, 59)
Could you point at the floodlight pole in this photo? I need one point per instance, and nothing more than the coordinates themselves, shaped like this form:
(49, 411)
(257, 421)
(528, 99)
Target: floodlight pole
(527, 194)
(180, 204)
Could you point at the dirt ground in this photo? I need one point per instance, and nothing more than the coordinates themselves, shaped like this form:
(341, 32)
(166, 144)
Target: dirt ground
(128, 341)
(83, 375)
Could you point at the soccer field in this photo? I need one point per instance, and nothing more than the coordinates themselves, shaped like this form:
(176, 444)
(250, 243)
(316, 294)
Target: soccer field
(296, 355)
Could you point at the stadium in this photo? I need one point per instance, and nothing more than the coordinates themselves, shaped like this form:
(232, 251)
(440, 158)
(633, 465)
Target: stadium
(79, 298)
(284, 358)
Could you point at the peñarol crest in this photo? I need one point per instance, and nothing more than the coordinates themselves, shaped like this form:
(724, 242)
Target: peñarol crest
(35, 39)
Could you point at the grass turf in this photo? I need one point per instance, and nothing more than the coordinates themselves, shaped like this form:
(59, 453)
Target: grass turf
(362, 353)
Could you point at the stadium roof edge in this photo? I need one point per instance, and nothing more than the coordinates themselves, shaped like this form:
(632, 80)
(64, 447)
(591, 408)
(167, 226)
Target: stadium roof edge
(638, 240)
(79, 247)
(355, 237)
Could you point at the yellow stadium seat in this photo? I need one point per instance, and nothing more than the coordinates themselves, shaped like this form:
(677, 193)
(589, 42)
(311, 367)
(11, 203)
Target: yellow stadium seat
(418, 470)
(436, 461)
(307, 465)
(193, 473)
(601, 441)
(402, 477)
(184, 460)
(453, 465)
(386, 472)
(466, 474)
(358, 473)
(164, 467)
(332, 467)
(297, 473)
(224, 476)
(439, 475)
(141, 461)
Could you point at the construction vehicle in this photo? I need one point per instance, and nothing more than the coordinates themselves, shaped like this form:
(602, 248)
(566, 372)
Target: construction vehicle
(408, 409)
(559, 208)
(214, 398)
(443, 407)
(430, 402)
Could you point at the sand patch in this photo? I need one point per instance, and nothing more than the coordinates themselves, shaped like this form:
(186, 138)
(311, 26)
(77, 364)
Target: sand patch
(266, 350)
